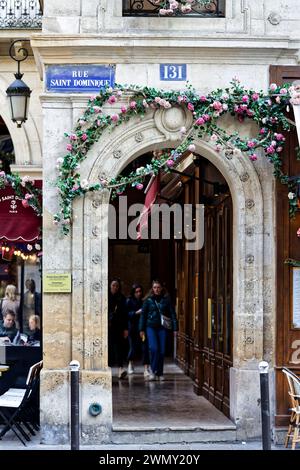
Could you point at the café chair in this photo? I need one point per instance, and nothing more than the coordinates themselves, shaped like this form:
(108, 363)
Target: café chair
(16, 406)
(294, 393)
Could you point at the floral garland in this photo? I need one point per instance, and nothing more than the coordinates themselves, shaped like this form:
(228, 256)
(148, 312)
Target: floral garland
(268, 111)
(175, 7)
(25, 189)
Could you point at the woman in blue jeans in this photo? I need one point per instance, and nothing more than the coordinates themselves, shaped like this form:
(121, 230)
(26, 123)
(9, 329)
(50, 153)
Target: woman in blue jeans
(157, 316)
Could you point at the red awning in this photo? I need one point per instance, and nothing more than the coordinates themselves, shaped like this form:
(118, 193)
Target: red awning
(18, 223)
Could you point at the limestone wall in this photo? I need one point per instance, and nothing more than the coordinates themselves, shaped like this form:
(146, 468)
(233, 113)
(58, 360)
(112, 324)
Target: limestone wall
(249, 18)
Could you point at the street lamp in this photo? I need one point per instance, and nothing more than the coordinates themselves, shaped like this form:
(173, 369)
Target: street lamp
(18, 92)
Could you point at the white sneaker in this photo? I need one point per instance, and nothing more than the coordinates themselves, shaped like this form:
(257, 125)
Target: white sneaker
(146, 374)
(122, 373)
(152, 377)
(161, 378)
(130, 368)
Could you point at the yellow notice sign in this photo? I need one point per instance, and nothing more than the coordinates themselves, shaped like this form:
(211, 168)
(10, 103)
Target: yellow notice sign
(57, 283)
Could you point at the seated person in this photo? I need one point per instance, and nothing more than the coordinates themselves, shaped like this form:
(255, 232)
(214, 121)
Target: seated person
(34, 324)
(8, 329)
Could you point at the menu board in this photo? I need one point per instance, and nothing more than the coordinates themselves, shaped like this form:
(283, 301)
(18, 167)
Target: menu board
(296, 297)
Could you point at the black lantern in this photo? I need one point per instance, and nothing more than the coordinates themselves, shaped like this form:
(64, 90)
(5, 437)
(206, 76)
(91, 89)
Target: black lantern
(18, 92)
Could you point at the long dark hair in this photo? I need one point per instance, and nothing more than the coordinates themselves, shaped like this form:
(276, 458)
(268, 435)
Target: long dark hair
(134, 288)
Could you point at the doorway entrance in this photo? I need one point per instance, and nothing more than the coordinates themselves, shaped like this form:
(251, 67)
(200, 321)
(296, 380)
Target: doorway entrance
(199, 283)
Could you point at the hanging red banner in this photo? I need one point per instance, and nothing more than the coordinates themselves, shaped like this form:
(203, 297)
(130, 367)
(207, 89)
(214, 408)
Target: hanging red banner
(18, 223)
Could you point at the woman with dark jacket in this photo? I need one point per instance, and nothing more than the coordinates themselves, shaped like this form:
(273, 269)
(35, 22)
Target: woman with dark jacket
(134, 308)
(157, 316)
(117, 326)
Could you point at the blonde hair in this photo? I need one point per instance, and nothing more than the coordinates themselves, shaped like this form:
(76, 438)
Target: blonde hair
(37, 320)
(10, 292)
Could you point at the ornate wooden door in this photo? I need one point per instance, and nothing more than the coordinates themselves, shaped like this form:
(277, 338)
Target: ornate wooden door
(216, 308)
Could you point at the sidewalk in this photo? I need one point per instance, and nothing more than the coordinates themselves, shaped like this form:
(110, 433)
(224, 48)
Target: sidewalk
(10, 442)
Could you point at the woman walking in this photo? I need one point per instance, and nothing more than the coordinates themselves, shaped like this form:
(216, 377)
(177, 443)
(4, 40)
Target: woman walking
(158, 316)
(134, 307)
(117, 326)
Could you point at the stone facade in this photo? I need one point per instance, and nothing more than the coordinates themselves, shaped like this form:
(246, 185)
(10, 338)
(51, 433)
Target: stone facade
(254, 35)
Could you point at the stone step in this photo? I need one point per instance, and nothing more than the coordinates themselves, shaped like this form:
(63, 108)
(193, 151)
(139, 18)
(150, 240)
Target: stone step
(139, 435)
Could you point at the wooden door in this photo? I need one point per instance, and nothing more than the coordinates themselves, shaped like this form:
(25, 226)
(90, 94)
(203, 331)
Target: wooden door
(288, 246)
(217, 305)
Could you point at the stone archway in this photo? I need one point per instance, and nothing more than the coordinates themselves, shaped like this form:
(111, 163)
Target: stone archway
(115, 151)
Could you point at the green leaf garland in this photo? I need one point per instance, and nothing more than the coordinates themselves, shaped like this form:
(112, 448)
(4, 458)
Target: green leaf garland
(268, 111)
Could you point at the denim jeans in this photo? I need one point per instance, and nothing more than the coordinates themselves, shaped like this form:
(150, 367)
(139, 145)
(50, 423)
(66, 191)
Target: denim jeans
(157, 346)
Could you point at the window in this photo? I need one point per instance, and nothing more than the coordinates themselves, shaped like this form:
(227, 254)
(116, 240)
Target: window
(215, 8)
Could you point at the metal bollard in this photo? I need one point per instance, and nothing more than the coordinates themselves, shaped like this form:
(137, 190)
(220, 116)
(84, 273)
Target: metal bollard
(74, 368)
(265, 405)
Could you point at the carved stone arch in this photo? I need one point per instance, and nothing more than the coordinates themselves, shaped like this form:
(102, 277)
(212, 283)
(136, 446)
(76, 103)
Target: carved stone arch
(109, 157)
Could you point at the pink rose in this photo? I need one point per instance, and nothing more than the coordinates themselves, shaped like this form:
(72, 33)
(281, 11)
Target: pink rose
(263, 130)
(69, 147)
(255, 96)
(279, 137)
(217, 105)
(273, 87)
(200, 121)
(203, 98)
(170, 163)
(206, 117)
(283, 91)
(25, 203)
(251, 144)
(245, 99)
(123, 109)
(84, 137)
(139, 186)
(270, 150)
(112, 99)
(133, 104)
(190, 106)
(253, 157)
(115, 117)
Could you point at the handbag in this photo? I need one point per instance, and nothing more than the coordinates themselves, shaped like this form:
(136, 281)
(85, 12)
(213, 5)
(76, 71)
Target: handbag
(166, 322)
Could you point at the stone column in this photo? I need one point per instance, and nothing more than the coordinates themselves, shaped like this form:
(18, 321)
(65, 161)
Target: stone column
(74, 325)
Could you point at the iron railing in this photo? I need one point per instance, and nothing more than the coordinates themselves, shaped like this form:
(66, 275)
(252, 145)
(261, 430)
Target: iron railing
(20, 14)
(215, 8)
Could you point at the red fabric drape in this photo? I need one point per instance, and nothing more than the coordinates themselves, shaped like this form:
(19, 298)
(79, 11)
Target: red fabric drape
(149, 201)
(17, 223)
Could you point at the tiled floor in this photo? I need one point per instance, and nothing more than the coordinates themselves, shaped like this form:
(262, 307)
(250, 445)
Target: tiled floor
(140, 404)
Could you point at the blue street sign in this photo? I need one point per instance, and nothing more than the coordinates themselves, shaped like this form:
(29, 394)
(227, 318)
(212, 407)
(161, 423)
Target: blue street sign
(79, 78)
(173, 72)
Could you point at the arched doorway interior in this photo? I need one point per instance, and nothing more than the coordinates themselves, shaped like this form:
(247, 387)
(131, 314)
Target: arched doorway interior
(198, 281)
